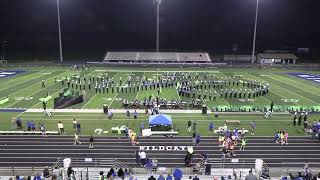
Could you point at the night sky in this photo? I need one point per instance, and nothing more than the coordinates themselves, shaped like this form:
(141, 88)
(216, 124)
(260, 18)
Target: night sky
(91, 27)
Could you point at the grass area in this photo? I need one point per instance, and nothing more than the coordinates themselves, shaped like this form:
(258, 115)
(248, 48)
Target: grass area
(91, 121)
(24, 90)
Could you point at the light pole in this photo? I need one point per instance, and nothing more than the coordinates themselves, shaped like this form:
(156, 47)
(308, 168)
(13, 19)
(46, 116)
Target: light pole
(158, 2)
(255, 33)
(59, 27)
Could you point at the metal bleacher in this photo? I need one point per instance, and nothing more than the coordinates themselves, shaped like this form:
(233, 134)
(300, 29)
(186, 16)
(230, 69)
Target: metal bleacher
(157, 58)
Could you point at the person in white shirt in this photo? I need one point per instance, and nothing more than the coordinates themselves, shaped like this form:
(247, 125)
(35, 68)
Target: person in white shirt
(76, 139)
(60, 127)
(143, 157)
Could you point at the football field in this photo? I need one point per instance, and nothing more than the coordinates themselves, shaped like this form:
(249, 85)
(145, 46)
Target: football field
(288, 89)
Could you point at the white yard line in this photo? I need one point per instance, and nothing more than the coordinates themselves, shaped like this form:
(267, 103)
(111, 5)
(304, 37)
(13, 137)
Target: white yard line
(30, 95)
(27, 88)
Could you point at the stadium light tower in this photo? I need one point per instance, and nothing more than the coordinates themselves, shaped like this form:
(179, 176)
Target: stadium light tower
(157, 3)
(255, 33)
(59, 27)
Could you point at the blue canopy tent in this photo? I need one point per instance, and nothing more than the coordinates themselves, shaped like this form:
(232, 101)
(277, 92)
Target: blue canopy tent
(160, 122)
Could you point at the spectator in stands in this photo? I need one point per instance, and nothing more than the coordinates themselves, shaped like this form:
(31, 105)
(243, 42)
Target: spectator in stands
(194, 134)
(37, 177)
(101, 176)
(253, 127)
(197, 139)
(29, 125)
(60, 127)
(91, 142)
(177, 174)
(70, 173)
(56, 172)
(151, 178)
(154, 164)
(121, 173)
(195, 178)
(161, 177)
(19, 123)
(169, 177)
(76, 139)
(143, 158)
(33, 126)
(46, 173)
(251, 176)
(148, 165)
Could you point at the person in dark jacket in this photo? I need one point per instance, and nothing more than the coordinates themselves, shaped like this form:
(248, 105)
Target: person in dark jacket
(91, 142)
(121, 173)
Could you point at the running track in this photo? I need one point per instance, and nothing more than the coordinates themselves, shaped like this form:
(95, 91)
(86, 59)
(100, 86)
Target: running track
(26, 151)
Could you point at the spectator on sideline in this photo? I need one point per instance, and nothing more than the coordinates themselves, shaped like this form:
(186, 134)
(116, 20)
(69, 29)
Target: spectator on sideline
(128, 113)
(197, 139)
(135, 115)
(141, 127)
(28, 125)
(19, 123)
(74, 122)
(78, 127)
(251, 176)
(194, 126)
(33, 126)
(13, 123)
(253, 127)
(60, 127)
(91, 142)
(189, 126)
(177, 174)
(110, 114)
(194, 134)
(211, 127)
(43, 130)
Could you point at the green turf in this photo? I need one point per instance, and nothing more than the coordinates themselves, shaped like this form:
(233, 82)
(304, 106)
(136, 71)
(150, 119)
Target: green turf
(24, 91)
(286, 91)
